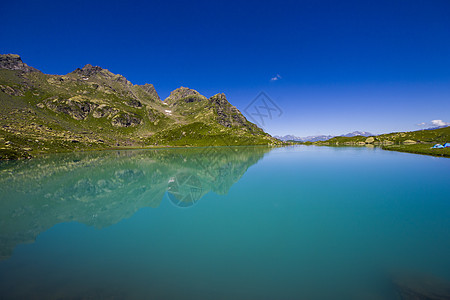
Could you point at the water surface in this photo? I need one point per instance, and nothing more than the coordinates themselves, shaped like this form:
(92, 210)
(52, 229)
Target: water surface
(222, 223)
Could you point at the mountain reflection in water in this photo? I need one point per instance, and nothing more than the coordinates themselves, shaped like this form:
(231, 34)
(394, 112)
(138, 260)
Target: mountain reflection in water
(102, 188)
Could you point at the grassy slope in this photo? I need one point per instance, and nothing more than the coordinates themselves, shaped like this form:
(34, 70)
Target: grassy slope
(201, 134)
(419, 149)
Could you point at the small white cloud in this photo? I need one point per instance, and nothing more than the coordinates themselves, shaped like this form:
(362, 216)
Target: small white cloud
(422, 124)
(277, 77)
(439, 123)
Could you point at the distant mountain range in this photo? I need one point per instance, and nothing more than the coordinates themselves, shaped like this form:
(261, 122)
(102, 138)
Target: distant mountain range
(318, 138)
(436, 127)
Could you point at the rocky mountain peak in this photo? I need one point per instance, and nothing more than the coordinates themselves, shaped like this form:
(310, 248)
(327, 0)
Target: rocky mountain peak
(227, 114)
(182, 92)
(150, 89)
(100, 73)
(219, 99)
(356, 133)
(88, 70)
(189, 95)
(14, 62)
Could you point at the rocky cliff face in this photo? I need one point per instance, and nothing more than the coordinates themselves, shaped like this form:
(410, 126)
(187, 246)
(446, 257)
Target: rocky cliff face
(228, 115)
(184, 94)
(89, 70)
(150, 89)
(14, 62)
(92, 107)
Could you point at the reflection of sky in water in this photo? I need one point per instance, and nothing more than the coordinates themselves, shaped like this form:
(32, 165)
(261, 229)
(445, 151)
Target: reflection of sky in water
(304, 222)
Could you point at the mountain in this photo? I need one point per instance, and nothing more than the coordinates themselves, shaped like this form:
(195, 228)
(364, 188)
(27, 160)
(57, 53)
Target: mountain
(93, 108)
(357, 133)
(318, 138)
(436, 127)
(14, 62)
(311, 138)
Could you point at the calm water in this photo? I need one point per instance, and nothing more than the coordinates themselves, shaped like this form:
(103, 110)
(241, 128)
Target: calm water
(223, 223)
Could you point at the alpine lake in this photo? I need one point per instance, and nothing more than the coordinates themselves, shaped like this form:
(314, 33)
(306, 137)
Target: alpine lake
(297, 222)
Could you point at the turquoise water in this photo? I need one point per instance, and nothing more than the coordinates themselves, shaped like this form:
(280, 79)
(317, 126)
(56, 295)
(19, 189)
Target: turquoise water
(223, 223)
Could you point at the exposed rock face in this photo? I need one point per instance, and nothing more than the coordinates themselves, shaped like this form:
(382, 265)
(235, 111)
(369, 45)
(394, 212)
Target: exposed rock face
(14, 62)
(134, 103)
(188, 95)
(126, 120)
(78, 110)
(227, 115)
(370, 140)
(409, 142)
(104, 111)
(88, 70)
(121, 79)
(150, 89)
(10, 91)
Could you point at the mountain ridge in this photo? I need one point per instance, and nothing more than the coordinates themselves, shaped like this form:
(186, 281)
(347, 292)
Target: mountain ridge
(317, 138)
(93, 108)
(14, 62)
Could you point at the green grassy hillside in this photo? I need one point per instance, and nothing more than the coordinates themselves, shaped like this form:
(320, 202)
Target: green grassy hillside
(419, 142)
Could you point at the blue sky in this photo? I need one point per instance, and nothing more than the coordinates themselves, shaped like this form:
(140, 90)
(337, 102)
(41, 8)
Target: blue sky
(378, 66)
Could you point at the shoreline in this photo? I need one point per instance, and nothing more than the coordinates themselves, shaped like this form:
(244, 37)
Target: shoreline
(413, 149)
(41, 154)
(421, 149)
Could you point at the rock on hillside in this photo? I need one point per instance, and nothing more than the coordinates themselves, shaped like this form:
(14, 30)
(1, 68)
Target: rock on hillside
(89, 70)
(150, 89)
(14, 62)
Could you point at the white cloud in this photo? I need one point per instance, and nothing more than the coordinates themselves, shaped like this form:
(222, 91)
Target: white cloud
(433, 123)
(277, 77)
(439, 123)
